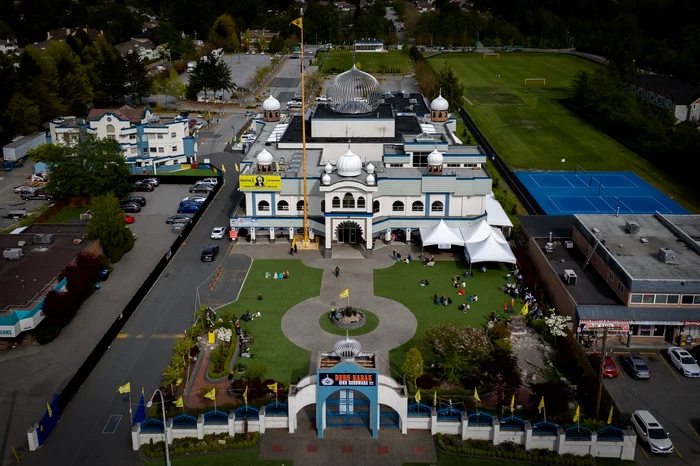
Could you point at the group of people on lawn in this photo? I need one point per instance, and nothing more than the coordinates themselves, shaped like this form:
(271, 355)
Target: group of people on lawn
(456, 283)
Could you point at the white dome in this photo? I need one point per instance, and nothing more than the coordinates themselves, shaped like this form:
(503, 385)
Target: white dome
(329, 167)
(271, 104)
(435, 158)
(326, 179)
(264, 157)
(370, 179)
(349, 164)
(370, 168)
(347, 349)
(439, 104)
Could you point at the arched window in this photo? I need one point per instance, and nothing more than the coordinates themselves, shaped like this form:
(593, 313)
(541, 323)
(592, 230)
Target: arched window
(436, 207)
(348, 201)
(323, 206)
(397, 206)
(375, 207)
(110, 132)
(264, 206)
(417, 207)
(300, 206)
(360, 202)
(336, 202)
(283, 205)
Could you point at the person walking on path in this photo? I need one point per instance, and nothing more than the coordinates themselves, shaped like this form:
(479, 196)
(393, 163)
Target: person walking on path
(295, 248)
(337, 272)
(291, 251)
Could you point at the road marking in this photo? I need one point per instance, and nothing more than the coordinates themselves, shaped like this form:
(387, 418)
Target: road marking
(122, 335)
(157, 336)
(648, 353)
(112, 424)
(641, 447)
(677, 452)
(669, 367)
(694, 431)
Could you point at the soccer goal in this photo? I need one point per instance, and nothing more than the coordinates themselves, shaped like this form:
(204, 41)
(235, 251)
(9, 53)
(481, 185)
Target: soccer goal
(535, 82)
(492, 56)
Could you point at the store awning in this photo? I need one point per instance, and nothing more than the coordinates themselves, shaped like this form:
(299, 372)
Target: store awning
(638, 315)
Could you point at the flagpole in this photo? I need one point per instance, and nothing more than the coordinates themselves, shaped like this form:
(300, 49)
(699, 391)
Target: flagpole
(303, 137)
(544, 410)
(131, 414)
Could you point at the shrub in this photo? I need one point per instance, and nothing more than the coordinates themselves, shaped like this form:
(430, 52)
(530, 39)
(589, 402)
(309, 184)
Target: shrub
(499, 331)
(556, 394)
(60, 308)
(257, 371)
(47, 333)
(425, 382)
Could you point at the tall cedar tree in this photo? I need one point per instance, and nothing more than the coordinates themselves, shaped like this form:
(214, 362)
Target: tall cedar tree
(449, 84)
(107, 225)
(137, 84)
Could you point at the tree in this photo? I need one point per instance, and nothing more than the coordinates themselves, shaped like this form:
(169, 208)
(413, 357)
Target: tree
(60, 307)
(107, 225)
(503, 373)
(413, 365)
(458, 349)
(172, 85)
(450, 86)
(88, 167)
(22, 115)
(209, 75)
(276, 44)
(137, 84)
(223, 34)
(262, 43)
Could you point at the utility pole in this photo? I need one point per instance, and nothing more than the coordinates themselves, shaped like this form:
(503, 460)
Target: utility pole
(600, 374)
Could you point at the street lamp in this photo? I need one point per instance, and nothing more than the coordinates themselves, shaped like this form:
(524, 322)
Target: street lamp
(563, 161)
(165, 426)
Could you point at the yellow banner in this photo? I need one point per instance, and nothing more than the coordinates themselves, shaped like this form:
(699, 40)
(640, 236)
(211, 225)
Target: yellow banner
(260, 182)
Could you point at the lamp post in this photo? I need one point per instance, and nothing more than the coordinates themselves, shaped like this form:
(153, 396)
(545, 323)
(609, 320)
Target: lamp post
(563, 161)
(165, 426)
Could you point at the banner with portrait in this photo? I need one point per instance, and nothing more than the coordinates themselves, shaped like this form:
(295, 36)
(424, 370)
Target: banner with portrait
(260, 182)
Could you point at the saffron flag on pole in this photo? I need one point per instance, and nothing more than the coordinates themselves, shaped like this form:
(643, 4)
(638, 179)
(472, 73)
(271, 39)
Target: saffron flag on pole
(476, 395)
(223, 169)
(245, 396)
(610, 415)
(211, 395)
(345, 293)
(435, 399)
(512, 404)
(273, 387)
(577, 415)
(525, 309)
(50, 411)
(541, 406)
(418, 396)
(298, 23)
(238, 168)
(179, 403)
(126, 388)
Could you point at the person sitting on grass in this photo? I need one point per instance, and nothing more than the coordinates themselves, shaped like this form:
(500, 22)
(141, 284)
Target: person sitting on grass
(424, 282)
(464, 307)
(257, 314)
(260, 297)
(476, 298)
(246, 317)
(461, 292)
(464, 284)
(447, 301)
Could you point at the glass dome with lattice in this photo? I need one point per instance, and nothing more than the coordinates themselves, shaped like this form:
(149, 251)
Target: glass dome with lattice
(354, 92)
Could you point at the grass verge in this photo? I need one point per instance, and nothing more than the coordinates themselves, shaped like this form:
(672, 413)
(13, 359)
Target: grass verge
(68, 214)
(371, 62)
(370, 325)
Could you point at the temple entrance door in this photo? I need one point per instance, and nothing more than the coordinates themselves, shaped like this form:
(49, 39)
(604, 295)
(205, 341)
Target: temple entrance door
(347, 408)
(349, 232)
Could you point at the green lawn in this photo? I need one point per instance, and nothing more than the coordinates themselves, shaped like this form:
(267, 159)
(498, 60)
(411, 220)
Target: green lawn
(400, 282)
(190, 172)
(284, 360)
(450, 460)
(371, 62)
(68, 214)
(371, 324)
(249, 457)
(532, 131)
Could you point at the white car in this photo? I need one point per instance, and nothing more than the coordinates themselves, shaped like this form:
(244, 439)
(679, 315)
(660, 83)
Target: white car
(153, 181)
(651, 432)
(218, 233)
(199, 125)
(194, 199)
(684, 362)
(211, 180)
(293, 104)
(323, 98)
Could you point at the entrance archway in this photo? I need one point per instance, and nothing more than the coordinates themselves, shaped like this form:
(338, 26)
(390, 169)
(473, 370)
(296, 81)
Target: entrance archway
(349, 232)
(347, 408)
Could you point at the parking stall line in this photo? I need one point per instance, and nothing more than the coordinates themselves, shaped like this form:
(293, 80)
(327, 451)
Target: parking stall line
(641, 448)
(669, 367)
(694, 431)
(677, 452)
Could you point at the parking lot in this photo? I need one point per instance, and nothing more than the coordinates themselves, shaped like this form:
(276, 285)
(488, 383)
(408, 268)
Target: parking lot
(150, 226)
(11, 201)
(671, 398)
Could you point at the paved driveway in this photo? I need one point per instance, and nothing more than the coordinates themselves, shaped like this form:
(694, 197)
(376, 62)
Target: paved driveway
(672, 398)
(11, 201)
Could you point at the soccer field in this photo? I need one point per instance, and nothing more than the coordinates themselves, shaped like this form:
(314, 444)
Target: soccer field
(372, 62)
(531, 130)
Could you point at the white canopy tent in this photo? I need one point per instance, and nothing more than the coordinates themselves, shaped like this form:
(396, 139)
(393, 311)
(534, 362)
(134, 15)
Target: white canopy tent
(442, 235)
(484, 243)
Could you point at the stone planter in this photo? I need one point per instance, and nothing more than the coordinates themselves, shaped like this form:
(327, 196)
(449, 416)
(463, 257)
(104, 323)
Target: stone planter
(345, 324)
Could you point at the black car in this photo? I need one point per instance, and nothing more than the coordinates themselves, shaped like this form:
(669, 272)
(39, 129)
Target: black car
(140, 200)
(209, 252)
(131, 208)
(202, 188)
(143, 187)
(178, 218)
(40, 195)
(636, 366)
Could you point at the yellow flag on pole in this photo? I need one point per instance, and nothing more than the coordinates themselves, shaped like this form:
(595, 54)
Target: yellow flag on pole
(143, 391)
(211, 395)
(50, 411)
(610, 415)
(525, 309)
(238, 169)
(273, 387)
(512, 404)
(418, 396)
(476, 395)
(179, 403)
(345, 293)
(223, 169)
(541, 406)
(126, 388)
(245, 396)
(435, 399)
(577, 415)
(298, 23)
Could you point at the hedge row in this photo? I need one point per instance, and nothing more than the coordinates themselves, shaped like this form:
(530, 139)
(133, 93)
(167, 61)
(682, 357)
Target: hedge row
(520, 456)
(210, 443)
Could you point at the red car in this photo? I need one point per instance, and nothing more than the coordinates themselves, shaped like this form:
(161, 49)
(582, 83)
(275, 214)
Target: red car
(609, 368)
(129, 218)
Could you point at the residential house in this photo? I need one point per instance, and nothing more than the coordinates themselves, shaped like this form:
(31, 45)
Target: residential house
(146, 139)
(345, 6)
(146, 49)
(667, 92)
(61, 34)
(424, 6)
(256, 34)
(369, 45)
(8, 45)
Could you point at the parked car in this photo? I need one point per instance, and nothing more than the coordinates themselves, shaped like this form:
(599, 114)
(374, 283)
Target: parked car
(23, 189)
(38, 194)
(153, 181)
(323, 98)
(197, 197)
(129, 219)
(199, 125)
(651, 432)
(684, 362)
(131, 208)
(218, 232)
(637, 367)
(609, 367)
(145, 187)
(293, 104)
(179, 218)
(140, 200)
(188, 209)
(210, 252)
(202, 188)
(209, 181)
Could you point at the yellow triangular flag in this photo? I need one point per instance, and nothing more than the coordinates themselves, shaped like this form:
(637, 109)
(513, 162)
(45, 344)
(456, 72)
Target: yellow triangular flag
(126, 388)
(245, 396)
(298, 23)
(179, 403)
(178, 382)
(211, 395)
(512, 404)
(238, 168)
(435, 399)
(50, 411)
(577, 415)
(418, 396)
(273, 387)
(277, 166)
(223, 169)
(143, 391)
(541, 406)
(345, 293)
(476, 395)
(610, 415)
(525, 309)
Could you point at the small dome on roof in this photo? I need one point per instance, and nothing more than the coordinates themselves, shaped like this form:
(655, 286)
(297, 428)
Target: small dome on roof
(347, 348)
(264, 157)
(435, 158)
(326, 179)
(370, 180)
(370, 168)
(328, 167)
(349, 164)
(271, 104)
(439, 104)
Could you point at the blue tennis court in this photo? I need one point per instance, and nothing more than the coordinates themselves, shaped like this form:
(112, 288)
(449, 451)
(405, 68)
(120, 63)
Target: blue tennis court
(580, 192)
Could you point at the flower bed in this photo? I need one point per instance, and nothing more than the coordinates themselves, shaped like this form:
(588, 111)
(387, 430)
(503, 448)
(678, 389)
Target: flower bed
(347, 318)
(454, 444)
(191, 445)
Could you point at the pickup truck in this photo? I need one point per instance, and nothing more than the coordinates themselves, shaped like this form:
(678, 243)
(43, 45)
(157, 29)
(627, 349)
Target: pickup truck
(38, 195)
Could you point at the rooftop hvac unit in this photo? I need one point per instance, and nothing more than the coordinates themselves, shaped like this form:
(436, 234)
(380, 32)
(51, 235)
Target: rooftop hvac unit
(13, 254)
(569, 244)
(570, 277)
(44, 238)
(549, 247)
(667, 255)
(632, 227)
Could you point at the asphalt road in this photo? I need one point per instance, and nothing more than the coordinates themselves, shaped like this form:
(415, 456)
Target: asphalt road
(146, 347)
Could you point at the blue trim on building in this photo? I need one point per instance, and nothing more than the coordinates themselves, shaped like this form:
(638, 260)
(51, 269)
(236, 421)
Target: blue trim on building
(255, 204)
(273, 207)
(22, 314)
(345, 214)
(449, 219)
(427, 204)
